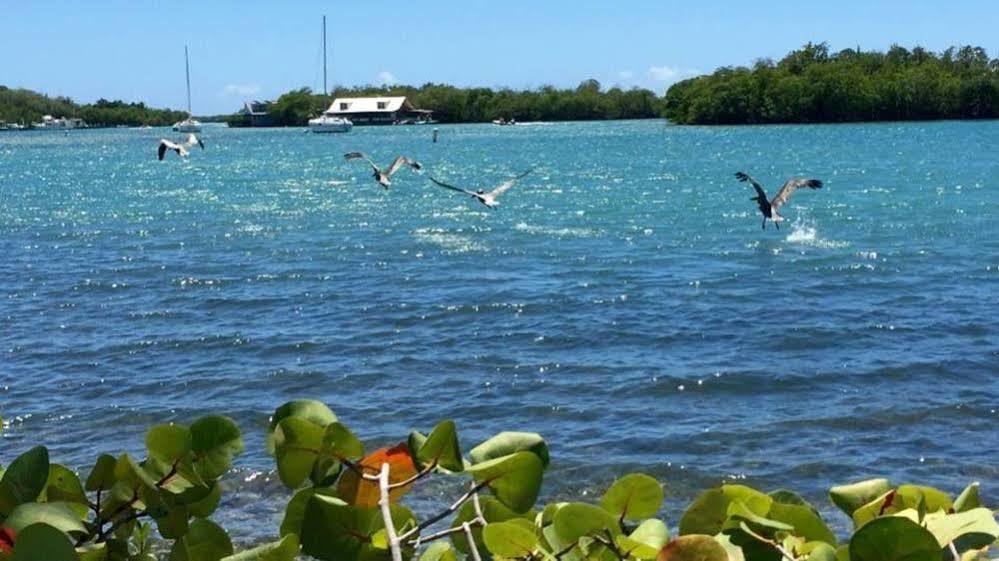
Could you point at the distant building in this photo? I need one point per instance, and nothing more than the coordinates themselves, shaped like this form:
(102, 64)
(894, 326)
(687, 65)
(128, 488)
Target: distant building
(378, 111)
(255, 114)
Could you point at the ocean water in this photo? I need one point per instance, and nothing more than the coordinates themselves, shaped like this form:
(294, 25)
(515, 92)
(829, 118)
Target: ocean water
(623, 300)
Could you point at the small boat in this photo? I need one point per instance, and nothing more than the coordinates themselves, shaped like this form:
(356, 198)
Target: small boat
(65, 123)
(503, 122)
(328, 122)
(190, 124)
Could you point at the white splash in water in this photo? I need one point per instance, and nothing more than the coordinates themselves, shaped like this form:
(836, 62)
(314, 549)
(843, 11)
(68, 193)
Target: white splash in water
(556, 232)
(806, 234)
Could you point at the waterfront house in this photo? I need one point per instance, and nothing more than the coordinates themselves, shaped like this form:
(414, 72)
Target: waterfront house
(256, 114)
(378, 111)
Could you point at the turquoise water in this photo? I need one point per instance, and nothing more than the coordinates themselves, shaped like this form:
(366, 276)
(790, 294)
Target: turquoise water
(622, 300)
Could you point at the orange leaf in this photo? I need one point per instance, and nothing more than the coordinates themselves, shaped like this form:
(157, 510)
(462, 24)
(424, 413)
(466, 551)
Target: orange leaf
(365, 493)
(6, 540)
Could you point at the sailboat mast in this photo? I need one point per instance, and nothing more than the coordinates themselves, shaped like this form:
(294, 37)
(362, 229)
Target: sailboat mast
(187, 71)
(325, 89)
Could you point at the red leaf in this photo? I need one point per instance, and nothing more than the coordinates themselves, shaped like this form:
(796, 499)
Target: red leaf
(6, 540)
(364, 493)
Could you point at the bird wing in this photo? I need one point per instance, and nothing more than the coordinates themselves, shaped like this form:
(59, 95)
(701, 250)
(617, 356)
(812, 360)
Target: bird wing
(192, 140)
(790, 187)
(505, 186)
(402, 161)
(453, 188)
(744, 177)
(162, 148)
(362, 156)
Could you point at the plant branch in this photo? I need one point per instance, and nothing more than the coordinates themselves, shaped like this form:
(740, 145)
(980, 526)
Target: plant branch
(472, 548)
(423, 473)
(104, 536)
(386, 506)
(441, 515)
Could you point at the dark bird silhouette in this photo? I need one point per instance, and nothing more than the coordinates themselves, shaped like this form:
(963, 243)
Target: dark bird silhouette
(179, 148)
(383, 176)
(487, 198)
(770, 208)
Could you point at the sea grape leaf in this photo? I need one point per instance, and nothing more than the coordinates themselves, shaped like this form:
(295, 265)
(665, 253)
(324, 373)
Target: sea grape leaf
(338, 444)
(852, 496)
(297, 444)
(892, 538)
(204, 541)
(806, 521)
(975, 528)
(24, 479)
(514, 479)
(645, 541)
(168, 443)
(693, 547)
(509, 539)
(576, 520)
(633, 497)
(58, 515)
(41, 541)
(285, 549)
(316, 412)
(365, 493)
(334, 530)
(507, 443)
(709, 511)
(492, 510)
(102, 474)
(439, 551)
(214, 440)
(441, 446)
(64, 486)
(968, 499)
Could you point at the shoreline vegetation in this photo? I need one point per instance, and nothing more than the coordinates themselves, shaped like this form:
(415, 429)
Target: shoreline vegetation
(346, 505)
(813, 85)
(808, 85)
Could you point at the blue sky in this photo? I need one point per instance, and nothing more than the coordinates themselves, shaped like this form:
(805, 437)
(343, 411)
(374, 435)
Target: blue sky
(134, 50)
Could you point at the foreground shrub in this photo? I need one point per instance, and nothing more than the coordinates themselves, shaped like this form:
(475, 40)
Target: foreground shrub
(347, 505)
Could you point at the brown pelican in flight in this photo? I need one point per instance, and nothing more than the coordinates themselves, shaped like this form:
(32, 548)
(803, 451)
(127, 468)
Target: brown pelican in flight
(382, 176)
(770, 208)
(487, 198)
(179, 148)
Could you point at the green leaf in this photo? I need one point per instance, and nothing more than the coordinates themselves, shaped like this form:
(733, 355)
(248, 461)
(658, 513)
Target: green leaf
(507, 443)
(168, 443)
(933, 499)
(58, 515)
(132, 474)
(739, 513)
(975, 528)
(215, 440)
(338, 444)
(296, 448)
(806, 522)
(693, 547)
(855, 495)
(820, 552)
(633, 497)
(201, 501)
(646, 541)
(24, 479)
(709, 511)
(102, 475)
(439, 551)
(173, 524)
(968, 499)
(515, 479)
(64, 486)
(576, 520)
(285, 549)
(332, 530)
(441, 446)
(492, 510)
(41, 542)
(310, 410)
(204, 541)
(509, 539)
(892, 538)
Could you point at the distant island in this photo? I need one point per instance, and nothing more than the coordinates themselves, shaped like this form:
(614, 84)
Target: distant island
(587, 102)
(27, 107)
(812, 85)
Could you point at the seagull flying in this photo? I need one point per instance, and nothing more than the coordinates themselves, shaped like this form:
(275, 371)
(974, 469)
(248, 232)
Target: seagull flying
(382, 176)
(770, 208)
(487, 198)
(179, 148)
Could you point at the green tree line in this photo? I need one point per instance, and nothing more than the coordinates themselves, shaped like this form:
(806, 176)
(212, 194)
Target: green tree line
(812, 85)
(450, 104)
(26, 106)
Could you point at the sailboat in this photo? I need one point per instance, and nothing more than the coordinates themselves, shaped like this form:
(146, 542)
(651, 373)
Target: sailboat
(328, 122)
(190, 124)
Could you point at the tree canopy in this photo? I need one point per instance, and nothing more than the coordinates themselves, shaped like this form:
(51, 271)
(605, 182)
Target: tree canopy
(812, 85)
(26, 106)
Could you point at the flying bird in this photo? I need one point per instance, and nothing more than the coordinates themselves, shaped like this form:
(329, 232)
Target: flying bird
(179, 148)
(487, 198)
(380, 175)
(770, 208)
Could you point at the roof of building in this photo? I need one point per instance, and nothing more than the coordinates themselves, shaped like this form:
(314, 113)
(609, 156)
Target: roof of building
(368, 105)
(255, 107)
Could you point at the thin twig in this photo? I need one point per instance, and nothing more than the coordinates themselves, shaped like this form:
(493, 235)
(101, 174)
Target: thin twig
(386, 506)
(104, 536)
(441, 534)
(441, 515)
(953, 551)
(473, 549)
(423, 473)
